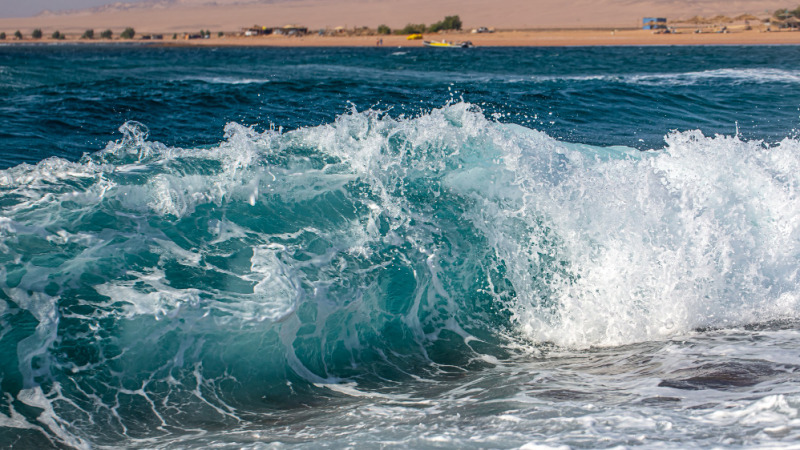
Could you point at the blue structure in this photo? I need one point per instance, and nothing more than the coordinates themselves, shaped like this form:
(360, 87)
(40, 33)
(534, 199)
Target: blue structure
(654, 23)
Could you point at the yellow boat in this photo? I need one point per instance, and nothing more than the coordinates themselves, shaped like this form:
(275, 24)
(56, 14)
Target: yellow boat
(445, 44)
(415, 36)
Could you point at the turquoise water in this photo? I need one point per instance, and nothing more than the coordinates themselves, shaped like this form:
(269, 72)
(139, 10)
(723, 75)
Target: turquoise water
(505, 248)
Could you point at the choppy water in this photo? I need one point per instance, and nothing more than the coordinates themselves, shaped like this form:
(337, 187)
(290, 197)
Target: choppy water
(493, 248)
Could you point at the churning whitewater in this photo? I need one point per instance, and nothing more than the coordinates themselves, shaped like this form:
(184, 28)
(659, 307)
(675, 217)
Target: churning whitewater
(354, 280)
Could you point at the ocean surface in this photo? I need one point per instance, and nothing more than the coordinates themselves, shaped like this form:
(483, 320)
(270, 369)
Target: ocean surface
(399, 247)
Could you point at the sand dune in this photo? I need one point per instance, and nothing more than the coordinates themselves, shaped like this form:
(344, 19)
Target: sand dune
(168, 16)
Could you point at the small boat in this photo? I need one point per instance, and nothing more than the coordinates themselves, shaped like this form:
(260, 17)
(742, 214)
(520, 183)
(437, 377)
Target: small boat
(445, 44)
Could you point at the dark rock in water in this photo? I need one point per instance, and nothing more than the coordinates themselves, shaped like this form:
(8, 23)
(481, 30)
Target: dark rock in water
(659, 400)
(724, 377)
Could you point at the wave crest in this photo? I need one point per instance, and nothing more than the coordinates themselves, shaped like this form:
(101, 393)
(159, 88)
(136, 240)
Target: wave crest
(373, 248)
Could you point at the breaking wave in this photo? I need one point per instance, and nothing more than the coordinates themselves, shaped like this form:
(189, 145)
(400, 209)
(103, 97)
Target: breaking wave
(148, 289)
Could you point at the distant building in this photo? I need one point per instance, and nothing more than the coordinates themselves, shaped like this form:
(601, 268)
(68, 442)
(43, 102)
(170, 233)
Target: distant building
(654, 23)
(257, 30)
(292, 30)
(288, 30)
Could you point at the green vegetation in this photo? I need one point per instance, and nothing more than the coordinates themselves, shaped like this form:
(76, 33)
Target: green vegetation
(17, 34)
(383, 29)
(37, 33)
(783, 14)
(220, 34)
(88, 34)
(412, 28)
(58, 35)
(3, 36)
(128, 33)
(449, 23)
(174, 35)
(106, 34)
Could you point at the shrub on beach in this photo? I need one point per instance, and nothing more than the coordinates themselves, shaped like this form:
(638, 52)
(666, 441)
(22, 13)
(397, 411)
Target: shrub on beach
(17, 34)
(383, 29)
(785, 13)
(220, 34)
(449, 23)
(106, 34)
(3, 35)
(37, 33)
(412, 28)
(88, 34)
(128, 33)
(57, 35)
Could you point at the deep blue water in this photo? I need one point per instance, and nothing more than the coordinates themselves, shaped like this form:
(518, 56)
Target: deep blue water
(68, 100)
(399, 248)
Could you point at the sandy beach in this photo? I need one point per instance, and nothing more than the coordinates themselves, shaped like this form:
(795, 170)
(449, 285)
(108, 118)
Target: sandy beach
(532, 38)
(548, 22)
(520, 39)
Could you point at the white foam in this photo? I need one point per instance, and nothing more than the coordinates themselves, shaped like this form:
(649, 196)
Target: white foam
(56, 425)
(276, 291)
(228, 80)
(700, 234)
(149, 294)
(730, 75)
(733, 76)
(771, 413)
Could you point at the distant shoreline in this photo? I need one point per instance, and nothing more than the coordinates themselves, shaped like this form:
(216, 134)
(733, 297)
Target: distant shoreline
(528, 38)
